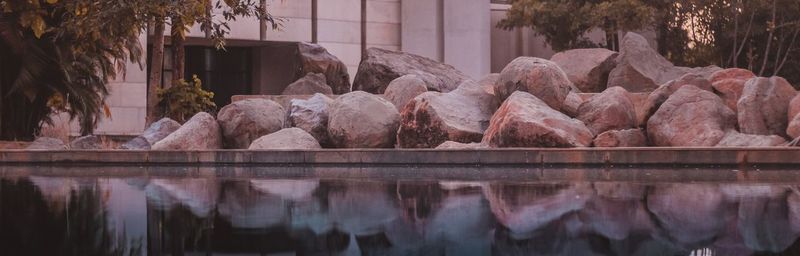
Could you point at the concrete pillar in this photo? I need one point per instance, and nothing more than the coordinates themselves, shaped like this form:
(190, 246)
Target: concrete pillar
(421, 28)
(467, 36)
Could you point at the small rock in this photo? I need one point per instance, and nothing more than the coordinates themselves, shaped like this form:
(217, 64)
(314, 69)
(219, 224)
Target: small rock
(310, 84)
(690, 117)
(526, 121)
(764, 106)
(380, 67)
(312, 116)
(610, 110)
(737, 139)
(458, 145)
(539, 77)
(621, 138)
(87, 142)
(433, 118)
(201, 132)
(363, 120)
(289, 138)
(588, 69)
(403, 89)
(247, 120)
(46, 143)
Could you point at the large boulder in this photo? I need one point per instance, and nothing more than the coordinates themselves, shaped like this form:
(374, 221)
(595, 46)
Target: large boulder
(311, 115)
(690, 117)
(154, 133)
(737, 139)
(380, 67)
(642, 69)
(610, 110)
(731, 73)
(247, 120)
(433, 118)
(47, 143)
(201, 132)
(316, 59)
(362, 120)
(588, 69)
(310, 84)
(526, 121)
(764, 106)
(621, 138)
(539, 77)
(662, 93)
(793, 129)
(289, 138)
(87, 142)
(403, 89)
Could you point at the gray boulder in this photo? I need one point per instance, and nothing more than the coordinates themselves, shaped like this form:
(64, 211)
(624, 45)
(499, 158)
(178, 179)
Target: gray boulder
(247, 120)
(289, 138)
(764, 106)
(316, 59)
(156, 132)
(312, 116)
(588, 69)
(610, 110)
(380, 67)
(690, 117)
(539, 77)
(88, 142)
(310, 84)
(526, 121)
(403, 89)
(47, 143)
(642, 69)
(362, 120)
(201, 132)
(737, 139)
(433, 118)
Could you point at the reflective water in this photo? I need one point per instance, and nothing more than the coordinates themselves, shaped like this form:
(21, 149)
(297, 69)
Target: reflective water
(186, 213)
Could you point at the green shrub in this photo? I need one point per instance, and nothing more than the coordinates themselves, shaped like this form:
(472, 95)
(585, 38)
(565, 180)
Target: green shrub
(183, 100)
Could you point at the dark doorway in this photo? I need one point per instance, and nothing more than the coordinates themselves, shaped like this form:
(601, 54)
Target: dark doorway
(224, 72)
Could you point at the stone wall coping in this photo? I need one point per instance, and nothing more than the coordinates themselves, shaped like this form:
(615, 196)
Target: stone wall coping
(742, 158)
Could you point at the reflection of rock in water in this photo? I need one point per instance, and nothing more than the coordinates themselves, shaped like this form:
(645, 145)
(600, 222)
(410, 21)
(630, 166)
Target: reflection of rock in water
(361, 208)
(199, 195)
(525, 208)
(764, 223)
(690, 215)
(287, 189)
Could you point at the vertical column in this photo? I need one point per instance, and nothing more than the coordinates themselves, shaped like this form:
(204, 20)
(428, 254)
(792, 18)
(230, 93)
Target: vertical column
(421, 28)
(363, 29)
(467, 34)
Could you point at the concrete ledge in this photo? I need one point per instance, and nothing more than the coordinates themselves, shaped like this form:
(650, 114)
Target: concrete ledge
(622, 157)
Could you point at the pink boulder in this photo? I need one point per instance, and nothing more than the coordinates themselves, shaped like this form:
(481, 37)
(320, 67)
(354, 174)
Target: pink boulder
(690, 117)
(610, 110)
(764, 106)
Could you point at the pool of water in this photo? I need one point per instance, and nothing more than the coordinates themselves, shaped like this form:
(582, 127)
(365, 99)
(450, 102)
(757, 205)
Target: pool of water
(400, 211)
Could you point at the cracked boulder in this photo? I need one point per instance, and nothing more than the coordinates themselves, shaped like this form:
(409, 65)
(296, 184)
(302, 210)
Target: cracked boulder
(539, 77)
(588, 69)
(380, 67)
(691, 117)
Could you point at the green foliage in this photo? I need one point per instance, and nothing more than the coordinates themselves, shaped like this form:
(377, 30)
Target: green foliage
(183, 100)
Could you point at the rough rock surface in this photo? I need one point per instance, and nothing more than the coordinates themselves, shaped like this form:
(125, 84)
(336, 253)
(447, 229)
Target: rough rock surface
(572, 103)
(310, 84)
(793, 130)
(641, 69)
(610, 110)
(764, 106)
(526, 121)
(312, 116)
(621, 138)
(488, 82)
(381, 66)
(730, 90)
(403, 89)
(156, 132)
(690, 117)
(458, 145)
(433, 118)
(539, 77)
(737, 139)
(662, 93)
(47, 143)
(289, 138)
(201, 132)
(588, 69)
(316, 59)
(86, 142)
(247, 120)
(731, 73)
(362, 120)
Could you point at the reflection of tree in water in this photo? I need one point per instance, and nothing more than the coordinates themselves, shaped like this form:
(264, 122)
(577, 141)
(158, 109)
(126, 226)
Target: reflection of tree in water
(29, 226)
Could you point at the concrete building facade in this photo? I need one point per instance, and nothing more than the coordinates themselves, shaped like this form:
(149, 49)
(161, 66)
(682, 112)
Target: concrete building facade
(461, 33)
